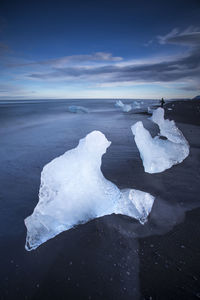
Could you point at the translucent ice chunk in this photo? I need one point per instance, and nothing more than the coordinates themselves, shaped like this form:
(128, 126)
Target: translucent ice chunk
(77, 109)
(73, 190)
(119, 103)
(136, 104)
(136, 204)
(124, 107)
(168, 129)
(159, 154)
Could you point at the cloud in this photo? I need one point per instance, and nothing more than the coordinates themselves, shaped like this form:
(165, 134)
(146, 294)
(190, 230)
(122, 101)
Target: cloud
(185, 67)
(188, 66)
(190, 87)
(74, 59)
(8, 90)
(104, 70)
(176, 69)
(189, 37)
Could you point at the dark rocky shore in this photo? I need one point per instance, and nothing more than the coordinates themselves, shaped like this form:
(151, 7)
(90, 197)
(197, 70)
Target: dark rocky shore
(185, 111)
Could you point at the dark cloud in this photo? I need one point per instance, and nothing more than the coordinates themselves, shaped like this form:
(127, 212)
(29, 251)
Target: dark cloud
(186, 67)
(189, 37)
(186, 39)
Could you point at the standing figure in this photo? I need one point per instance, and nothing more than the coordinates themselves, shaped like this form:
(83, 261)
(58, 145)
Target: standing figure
(162, 102)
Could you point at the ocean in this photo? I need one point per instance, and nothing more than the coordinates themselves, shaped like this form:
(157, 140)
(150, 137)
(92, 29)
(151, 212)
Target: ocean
(113, 257)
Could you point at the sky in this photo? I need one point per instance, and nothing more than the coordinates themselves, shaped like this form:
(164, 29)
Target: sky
(99, 49)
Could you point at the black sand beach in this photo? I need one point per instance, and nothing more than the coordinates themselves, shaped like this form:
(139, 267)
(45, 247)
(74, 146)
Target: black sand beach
(113, 257)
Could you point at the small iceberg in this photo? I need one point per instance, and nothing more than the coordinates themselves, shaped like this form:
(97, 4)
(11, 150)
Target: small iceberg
(136, 104)
(159, 154)
(73, 191)
(77, 109)
(124, 107)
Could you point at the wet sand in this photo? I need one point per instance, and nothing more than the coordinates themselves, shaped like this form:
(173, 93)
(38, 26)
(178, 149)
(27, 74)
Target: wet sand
(113, 257)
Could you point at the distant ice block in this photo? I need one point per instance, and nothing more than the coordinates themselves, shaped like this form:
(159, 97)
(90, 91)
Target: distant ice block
(77, 109)
(124, 107)
(159, 154)
(73, 190)
(136, 104)
(119, 104)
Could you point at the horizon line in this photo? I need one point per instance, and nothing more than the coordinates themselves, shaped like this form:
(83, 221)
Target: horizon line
(89, 98)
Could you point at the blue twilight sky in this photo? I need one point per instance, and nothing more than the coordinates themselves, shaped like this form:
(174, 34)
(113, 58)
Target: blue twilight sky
(99, 49)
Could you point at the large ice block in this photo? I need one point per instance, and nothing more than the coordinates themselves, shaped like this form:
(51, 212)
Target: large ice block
(159, 154)
(73, 190)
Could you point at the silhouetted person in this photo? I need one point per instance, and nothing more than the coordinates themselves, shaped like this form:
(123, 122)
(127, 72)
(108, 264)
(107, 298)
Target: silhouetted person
(162, 102)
